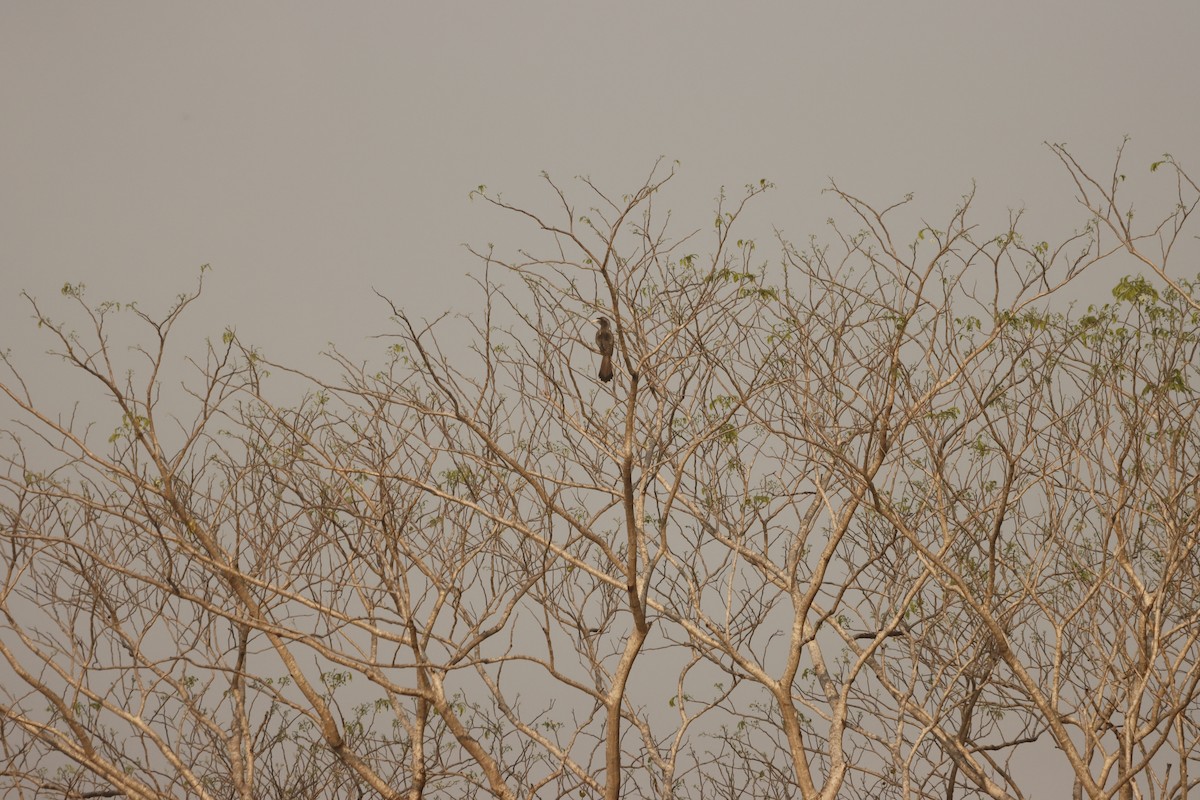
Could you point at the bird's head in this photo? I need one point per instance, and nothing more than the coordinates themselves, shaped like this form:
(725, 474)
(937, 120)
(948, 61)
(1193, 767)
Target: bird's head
(602, 321)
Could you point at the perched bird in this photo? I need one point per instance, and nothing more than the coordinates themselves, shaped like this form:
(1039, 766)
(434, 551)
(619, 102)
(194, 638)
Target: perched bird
(605, 342)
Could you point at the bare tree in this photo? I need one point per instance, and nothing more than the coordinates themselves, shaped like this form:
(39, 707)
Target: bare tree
(884, 518)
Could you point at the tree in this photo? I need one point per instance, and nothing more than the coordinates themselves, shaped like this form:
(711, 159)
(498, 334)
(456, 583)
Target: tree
(886, 518)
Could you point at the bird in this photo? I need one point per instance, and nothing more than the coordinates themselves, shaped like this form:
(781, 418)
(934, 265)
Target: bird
(605, 342)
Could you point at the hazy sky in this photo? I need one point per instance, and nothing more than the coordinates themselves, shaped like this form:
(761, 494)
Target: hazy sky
(312, 151)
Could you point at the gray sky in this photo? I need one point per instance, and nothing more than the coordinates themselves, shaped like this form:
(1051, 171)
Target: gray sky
(310, 152)
(313, 151)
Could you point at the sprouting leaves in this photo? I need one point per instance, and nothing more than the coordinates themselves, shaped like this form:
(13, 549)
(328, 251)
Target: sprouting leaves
(948, 414)
(129, 425)
(1134, 290)
(728, 434)
(1174, 382)
(722, 402)
(728, 275)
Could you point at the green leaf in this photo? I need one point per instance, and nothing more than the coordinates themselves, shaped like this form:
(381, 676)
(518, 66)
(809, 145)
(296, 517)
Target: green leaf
(1134, 289)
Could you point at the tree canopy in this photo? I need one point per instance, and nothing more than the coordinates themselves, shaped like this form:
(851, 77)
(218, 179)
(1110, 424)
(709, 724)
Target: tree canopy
(877, 514)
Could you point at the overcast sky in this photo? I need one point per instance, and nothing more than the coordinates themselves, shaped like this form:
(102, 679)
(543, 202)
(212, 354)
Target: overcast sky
(312, 151)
